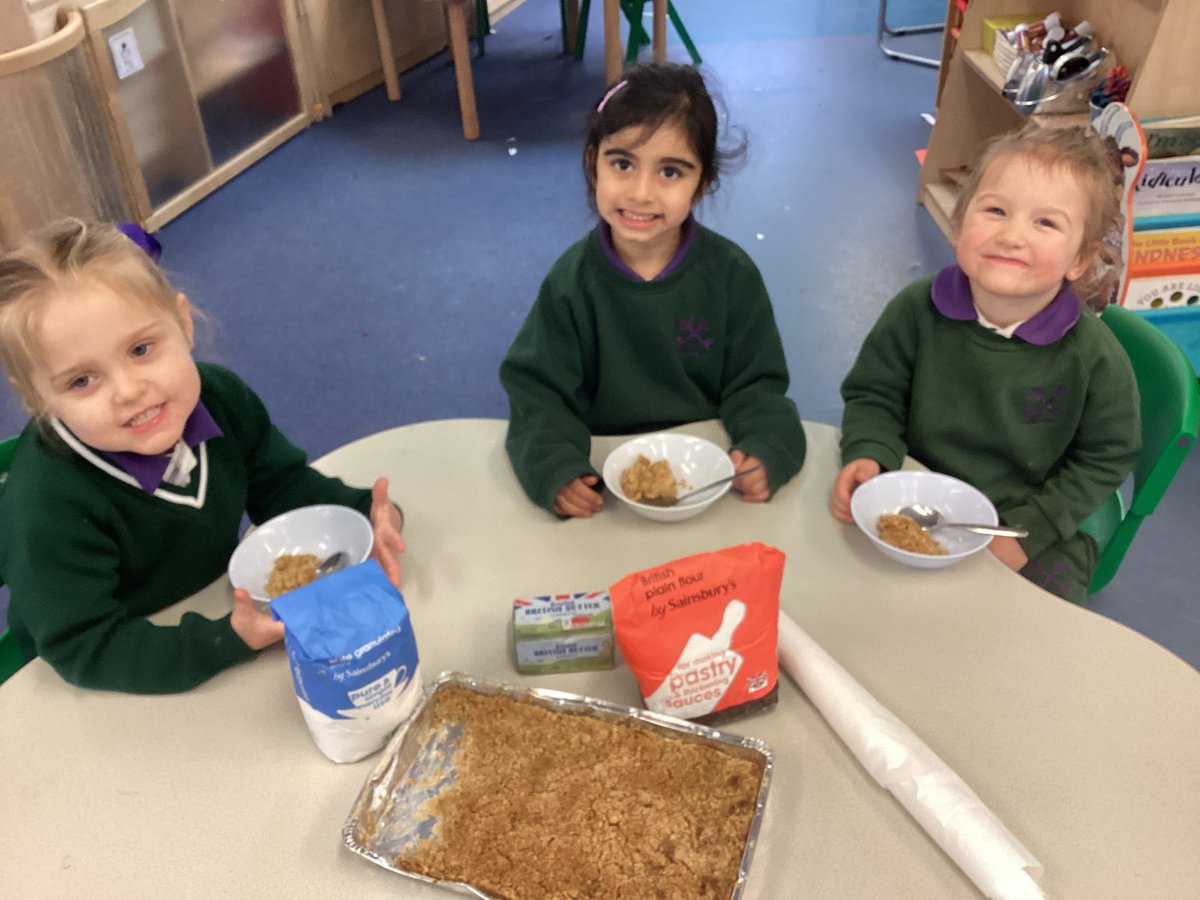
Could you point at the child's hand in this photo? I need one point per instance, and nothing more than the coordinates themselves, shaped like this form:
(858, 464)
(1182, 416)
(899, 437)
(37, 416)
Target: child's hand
(256, 629)
(754, 487)
(852, 475)
(578, 498)
(1009, 551)
(386, 522)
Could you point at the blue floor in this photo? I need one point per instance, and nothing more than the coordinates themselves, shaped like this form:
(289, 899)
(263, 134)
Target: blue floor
(373, 270)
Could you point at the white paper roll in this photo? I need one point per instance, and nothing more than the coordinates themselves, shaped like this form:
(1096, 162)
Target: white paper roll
(944, 805)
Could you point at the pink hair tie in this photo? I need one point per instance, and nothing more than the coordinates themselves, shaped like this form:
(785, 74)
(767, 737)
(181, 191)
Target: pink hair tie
(612, 90)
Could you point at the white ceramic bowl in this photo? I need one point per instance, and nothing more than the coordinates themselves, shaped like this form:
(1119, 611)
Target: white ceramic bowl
(319, 530)
(957, 500)
(692, 459)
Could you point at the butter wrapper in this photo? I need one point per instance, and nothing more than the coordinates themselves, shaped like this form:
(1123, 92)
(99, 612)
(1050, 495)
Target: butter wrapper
(563, 633)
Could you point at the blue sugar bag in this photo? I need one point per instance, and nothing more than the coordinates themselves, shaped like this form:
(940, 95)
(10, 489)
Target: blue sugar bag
(353, 657)
(336, 615)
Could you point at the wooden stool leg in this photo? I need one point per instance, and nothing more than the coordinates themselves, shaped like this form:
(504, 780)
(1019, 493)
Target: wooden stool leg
(387, 59)
(612, 40)
(456, 25)
(660, 31)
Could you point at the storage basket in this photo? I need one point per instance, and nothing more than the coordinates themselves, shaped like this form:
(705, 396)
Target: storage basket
(1068, 97)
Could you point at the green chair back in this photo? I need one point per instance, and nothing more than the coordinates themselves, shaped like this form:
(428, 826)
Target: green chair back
(1170, 409)
(12, 655)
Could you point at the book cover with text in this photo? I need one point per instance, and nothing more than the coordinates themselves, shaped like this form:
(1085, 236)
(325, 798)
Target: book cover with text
(1172, 136)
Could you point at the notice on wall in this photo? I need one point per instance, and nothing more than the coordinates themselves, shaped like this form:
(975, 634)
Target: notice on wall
(127, 58)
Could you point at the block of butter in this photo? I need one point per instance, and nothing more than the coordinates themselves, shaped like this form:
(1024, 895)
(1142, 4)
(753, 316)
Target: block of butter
(563, 632)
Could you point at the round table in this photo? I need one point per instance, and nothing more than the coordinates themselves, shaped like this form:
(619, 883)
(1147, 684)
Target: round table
(1080, 734)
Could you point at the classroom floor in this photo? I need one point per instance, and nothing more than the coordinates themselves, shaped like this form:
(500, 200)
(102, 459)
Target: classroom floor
(373, 270)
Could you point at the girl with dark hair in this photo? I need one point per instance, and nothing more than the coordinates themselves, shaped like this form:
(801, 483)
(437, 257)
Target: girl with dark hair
(651, 320)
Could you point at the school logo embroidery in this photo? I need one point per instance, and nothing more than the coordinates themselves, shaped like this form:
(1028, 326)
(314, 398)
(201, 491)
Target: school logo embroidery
(692, 337)
(1043, 406)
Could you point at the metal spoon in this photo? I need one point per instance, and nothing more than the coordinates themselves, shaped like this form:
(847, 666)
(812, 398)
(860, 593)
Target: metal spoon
(332, 564)
(675, 501)
(931, 519)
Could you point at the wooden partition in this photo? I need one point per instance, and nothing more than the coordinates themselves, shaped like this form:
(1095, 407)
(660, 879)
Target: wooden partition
(59, 161)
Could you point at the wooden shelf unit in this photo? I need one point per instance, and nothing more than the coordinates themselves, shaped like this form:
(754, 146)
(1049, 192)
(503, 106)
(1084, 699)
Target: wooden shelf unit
(1154, 39)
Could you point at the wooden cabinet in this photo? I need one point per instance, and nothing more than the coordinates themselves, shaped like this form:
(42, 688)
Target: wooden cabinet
(194, 93)
(1154, 39)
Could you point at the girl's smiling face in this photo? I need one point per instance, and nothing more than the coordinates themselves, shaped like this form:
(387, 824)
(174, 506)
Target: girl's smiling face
(1022, 237)
(646, 185)
(119, 373)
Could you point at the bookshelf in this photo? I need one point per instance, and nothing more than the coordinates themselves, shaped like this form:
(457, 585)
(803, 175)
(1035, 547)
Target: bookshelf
(1154, 39)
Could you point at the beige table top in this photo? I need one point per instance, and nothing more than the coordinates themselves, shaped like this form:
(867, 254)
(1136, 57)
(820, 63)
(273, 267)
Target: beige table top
(1081, 735)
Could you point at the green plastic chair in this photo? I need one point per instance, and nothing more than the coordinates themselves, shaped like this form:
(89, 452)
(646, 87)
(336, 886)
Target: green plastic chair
(12, 655)
(633, 10)
(1170, 408)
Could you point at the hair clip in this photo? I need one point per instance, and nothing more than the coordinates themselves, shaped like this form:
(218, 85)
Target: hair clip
(612, 90)
(142, 238)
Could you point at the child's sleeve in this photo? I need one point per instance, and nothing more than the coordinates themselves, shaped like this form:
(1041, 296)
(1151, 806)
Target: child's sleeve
(877, 390)
(1099, 459)
(758, 415)
(548, 442)
(67, 601)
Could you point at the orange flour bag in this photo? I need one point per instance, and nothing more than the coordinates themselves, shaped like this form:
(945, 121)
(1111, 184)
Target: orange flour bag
(700, 632)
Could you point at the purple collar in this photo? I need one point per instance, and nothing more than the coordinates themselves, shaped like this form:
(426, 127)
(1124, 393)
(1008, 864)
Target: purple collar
(148, 471)
(951, 295)
(604, 234)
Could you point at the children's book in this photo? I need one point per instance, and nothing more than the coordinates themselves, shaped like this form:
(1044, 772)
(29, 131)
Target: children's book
(1164, 269)
(1168, 193)
(1172, 136)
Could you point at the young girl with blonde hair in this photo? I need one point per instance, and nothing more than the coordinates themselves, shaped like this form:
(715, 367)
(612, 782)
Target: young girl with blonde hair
(128, 485)
(993, 371)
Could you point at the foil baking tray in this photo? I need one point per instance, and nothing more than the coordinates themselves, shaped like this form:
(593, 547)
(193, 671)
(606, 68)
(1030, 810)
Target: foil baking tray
(391, 816)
